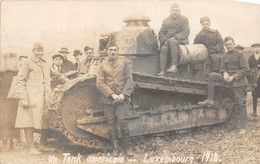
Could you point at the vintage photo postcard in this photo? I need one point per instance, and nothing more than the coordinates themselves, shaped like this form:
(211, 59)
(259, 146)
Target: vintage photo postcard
(129, 81)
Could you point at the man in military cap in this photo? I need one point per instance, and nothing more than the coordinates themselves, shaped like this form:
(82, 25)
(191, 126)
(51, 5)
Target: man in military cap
(174, 31)
(77, 55)
(214, 43)
(34, 92)
(254, 75)
(85, 65)
(233, 71)
(115, 82)
(66, 65)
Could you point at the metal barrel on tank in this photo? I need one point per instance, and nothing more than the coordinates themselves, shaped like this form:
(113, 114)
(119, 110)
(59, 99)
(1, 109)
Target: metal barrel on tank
(192, 54)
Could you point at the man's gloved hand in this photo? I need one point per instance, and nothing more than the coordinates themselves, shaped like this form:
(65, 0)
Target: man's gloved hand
(231, 78)
(121, 98)
(226, 76)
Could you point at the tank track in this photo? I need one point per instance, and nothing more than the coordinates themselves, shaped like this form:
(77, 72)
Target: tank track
(96, 142)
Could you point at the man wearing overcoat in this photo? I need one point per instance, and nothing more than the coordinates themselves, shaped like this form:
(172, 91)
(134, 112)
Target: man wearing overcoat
(214, 43)
(115, 82)
(175, 31)
(33, 88)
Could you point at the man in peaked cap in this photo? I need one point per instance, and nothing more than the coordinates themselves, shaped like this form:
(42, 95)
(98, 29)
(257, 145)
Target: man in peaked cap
(34, 92)
(254, 78)
(66, 65)
(233, 71)
(174, 31)
(116, 89)
(77, 55)
(214, 43)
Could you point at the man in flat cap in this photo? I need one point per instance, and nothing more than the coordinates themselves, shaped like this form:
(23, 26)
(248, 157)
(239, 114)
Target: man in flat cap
(66, 65)
(34, 92)
(86, 64)
(174, 31)
(214, 43)
(233, 71)
(57, 62)
(77, 54)
(115, 82)
(254, 75)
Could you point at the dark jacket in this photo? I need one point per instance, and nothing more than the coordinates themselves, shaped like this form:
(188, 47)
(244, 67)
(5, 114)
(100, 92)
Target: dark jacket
(67, 66)
(253, 62)
(114, 77)
(212, 40)
(234, 63)
(178, 28)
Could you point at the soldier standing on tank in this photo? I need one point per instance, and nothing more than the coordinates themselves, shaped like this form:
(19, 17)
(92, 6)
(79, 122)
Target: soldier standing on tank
(254, 65)
(33, 90)
(66, 65)
(175, 31)
(233, 71)
(115, 82)
(214, 43)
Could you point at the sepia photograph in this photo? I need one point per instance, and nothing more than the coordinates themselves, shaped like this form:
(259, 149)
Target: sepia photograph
(129, 81)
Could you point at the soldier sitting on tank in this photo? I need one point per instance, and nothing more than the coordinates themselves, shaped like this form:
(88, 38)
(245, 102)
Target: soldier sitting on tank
(174, 31)
(253, 78)
(115, 82)
(233, 71)
(213, 41)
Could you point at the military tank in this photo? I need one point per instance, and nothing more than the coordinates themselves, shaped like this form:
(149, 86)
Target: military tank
(160, 104)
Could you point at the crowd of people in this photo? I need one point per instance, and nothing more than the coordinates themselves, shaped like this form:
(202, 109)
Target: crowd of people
(25, 102)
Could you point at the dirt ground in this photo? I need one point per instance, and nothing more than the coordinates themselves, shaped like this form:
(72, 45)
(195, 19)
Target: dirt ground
(201, 145)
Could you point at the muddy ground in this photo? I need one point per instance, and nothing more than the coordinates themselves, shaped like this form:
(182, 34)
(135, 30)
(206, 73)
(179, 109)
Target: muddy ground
(216, 144)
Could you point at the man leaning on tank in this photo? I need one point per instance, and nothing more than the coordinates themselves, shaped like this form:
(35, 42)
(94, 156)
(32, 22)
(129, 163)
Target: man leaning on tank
(115, 82)
(233, 71)
(175, 31)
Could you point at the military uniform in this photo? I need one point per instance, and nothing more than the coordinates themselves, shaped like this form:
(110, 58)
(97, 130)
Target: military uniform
(235, 65)
(215, 46)
(115, 77)
(172, 33)
(254, 80)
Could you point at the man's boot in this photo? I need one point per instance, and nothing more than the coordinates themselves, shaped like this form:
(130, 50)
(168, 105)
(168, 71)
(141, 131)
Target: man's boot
(127, 143)
(114, 140)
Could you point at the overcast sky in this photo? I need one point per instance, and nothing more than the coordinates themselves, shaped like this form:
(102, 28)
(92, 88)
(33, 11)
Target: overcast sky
(75, 24)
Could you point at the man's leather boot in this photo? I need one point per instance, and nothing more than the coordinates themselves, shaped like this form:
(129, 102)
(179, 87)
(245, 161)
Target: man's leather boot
(127, 143)
(114, 140)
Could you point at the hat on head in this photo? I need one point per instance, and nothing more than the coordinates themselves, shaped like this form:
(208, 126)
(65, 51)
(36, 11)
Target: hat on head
(64, 50)
(228, 38)
(175, 5)
(255, 45)
(77, 52)
(239, 47)
(88, 48)
(58, 55)
(37, 45)
(204, 19)
(111, 44)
